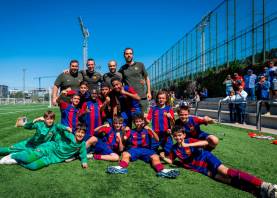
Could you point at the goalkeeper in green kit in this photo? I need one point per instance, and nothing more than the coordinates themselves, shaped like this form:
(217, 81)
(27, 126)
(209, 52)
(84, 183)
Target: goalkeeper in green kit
(64, 147)
(46, 130)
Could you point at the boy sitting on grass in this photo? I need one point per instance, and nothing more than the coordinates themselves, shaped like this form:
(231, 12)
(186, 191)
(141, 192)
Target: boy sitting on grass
(108, 145)
(191, 156)
(138, 147)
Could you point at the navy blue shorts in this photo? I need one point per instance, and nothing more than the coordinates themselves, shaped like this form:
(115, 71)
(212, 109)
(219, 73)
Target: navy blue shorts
(143, 154)
(102, 148)
(204, 163)
(166, 142)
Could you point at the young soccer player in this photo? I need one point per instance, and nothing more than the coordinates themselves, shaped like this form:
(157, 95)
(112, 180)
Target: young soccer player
(138, 147)
(69, 112)
(192, 157)
(126, 102)
(105, 97)
(91, 114)
(162, 117)
(83, 93)
(46, 129)
(191, 125)
(54, 151)
(108, 145)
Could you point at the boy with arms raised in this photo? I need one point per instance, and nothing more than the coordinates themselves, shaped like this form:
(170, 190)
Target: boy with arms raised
(192, 157)
(126, 102)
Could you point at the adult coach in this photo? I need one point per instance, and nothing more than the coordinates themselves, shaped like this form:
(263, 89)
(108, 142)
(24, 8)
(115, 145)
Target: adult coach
(91, 76)
(112, 73)
(135, 75)
(70, 79)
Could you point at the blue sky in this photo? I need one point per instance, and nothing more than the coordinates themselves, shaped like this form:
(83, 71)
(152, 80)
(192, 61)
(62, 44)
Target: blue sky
(44, 35)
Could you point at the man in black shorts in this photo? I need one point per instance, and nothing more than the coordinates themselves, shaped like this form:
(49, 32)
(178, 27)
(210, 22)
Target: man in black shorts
(113, 73)
(135, 75)
(71, 79)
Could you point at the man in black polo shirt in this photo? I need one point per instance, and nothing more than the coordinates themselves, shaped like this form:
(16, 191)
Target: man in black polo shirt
(135, 75)
(113, 73)
(71, 79)
(93, 78)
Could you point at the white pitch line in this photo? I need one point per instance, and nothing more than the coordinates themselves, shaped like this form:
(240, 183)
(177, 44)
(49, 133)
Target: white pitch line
(23, 111)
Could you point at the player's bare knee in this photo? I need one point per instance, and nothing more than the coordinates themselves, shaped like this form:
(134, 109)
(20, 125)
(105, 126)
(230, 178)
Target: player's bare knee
(213, 140)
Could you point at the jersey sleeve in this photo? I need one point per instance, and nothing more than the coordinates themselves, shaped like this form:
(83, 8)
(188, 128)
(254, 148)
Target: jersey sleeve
(150, 133)
(127, 135)
(63, 105)
(105, 130)
(61, 127)
(199, 120)
(131, 90)
(172, 156)
(143, 71)
(83, 153)
(58, 81)
(149, 115)
(171, 112)
(30, 125)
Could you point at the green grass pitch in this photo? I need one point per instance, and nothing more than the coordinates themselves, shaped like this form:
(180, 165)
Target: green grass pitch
(236, 150)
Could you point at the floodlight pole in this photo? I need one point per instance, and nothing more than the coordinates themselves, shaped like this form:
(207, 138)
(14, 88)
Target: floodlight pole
(85, 33)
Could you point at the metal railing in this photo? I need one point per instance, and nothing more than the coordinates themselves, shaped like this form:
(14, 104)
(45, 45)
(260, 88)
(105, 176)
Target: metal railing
(258, 115)
(220, 107)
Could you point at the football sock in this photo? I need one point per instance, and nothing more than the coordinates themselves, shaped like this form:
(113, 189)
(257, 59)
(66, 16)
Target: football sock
(97, 156)
(159, 167)
(123, 164)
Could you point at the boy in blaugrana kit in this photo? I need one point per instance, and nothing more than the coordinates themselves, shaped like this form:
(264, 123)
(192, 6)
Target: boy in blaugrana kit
(64, 147)
(138, 142)
(108, 145)
(191, 156)
(46, 129)
(191, 125)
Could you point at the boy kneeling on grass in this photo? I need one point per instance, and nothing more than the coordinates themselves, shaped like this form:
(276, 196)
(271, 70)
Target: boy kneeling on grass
(138, 147)
(191, 156)
(54, 152)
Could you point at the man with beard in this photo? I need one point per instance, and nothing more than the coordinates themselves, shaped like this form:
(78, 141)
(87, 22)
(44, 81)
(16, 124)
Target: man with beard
(113, 73)
(135, 75)
(67, 80)
(91, 76)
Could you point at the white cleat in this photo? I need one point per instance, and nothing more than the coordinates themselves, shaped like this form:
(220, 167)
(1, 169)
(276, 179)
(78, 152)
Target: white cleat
(8, 160)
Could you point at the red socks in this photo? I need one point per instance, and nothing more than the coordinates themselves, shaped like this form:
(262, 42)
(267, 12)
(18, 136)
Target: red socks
(123, 164)
(244, 181)
(159, 167)
(97, 156)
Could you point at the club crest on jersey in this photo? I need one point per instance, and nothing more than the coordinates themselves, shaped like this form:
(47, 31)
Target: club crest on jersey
(136, 68)
(143, 136)
(94, 77)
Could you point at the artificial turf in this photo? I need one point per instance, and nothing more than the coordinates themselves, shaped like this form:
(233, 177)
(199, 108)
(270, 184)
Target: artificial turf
(235, 149)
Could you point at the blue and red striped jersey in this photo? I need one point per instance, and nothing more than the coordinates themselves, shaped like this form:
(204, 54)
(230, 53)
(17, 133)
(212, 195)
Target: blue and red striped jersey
(184, 153)
(128, 104)
(92, 118)
(110, 137)
(192, 127)
(160, 122)
(139, 139)
(69, 115)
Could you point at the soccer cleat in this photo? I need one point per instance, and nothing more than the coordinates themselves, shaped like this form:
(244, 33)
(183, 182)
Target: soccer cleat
(169, 173)
(90, 156)
(116, 170)
(70, 159)
(268, 190)
(8, 160)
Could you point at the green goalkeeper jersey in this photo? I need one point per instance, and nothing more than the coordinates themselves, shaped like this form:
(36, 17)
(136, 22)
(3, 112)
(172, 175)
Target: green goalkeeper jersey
(43, 133)
(63, 148)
